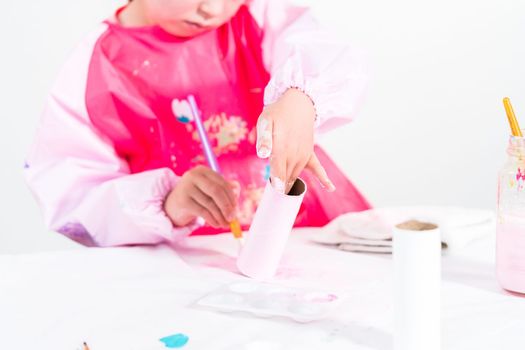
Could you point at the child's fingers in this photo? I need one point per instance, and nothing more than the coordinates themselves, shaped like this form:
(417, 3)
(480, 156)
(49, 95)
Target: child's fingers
(295, 172)
(210, 205)
(220, 191)
(199, 210)
(318, 170)
(278, 172)
(264, 137)
(206, 175)
(223, 185)
(290, 179)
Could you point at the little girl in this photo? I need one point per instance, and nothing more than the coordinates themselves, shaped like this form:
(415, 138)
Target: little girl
(117, 159)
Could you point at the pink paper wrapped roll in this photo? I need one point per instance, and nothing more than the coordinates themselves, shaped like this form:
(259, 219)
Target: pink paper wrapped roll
(271, 226)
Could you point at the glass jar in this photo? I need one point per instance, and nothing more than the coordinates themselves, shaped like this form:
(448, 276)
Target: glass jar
(510, 236)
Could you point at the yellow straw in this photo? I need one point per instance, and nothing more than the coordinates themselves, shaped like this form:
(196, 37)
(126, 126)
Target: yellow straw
(514, 126)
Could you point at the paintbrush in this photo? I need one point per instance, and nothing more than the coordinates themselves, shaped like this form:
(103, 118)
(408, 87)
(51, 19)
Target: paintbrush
(235, 226)
(514, 126)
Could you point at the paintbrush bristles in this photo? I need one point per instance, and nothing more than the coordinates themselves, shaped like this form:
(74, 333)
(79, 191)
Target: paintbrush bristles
(236, 229)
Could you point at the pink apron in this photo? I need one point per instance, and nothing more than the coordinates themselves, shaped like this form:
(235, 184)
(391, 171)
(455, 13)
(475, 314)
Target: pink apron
(139, 79)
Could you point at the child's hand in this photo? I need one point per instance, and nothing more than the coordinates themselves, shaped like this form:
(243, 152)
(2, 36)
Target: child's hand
(285, 133)
(202, 192)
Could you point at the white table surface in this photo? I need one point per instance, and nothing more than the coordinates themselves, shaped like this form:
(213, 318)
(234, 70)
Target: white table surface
(128, 298)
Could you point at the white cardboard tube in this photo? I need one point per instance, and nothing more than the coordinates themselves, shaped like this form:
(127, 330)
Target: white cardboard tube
(269, 232)
(417, 289)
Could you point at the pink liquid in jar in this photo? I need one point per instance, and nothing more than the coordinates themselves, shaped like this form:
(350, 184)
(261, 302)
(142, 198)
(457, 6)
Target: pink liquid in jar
(510, 241)
(510, 252)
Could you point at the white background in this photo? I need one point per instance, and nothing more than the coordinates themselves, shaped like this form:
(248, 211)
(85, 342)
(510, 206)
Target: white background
(432, 130)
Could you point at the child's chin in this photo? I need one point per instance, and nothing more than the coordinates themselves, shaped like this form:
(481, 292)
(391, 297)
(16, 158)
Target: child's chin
(183, 31)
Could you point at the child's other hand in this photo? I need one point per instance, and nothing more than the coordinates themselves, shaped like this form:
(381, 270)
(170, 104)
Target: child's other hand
(285, 133)
(202, 192)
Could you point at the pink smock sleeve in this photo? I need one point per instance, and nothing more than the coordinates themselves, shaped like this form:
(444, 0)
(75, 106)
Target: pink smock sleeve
(83, 187)
(300, 53)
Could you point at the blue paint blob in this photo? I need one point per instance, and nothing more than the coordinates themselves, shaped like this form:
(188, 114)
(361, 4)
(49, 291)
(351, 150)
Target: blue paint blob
(175, 341)
(183, 119)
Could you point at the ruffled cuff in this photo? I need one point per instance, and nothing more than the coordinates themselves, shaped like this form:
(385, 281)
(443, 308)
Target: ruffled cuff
(133, 211)
(336, 86)
(290, 76)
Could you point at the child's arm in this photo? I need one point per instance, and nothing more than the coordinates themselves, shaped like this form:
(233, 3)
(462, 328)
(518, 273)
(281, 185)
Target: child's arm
(300, 53)
(84, 189)
(317, 82)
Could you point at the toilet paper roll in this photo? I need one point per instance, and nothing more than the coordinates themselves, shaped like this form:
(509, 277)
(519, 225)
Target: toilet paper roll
(269, 232)
(417, 286)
